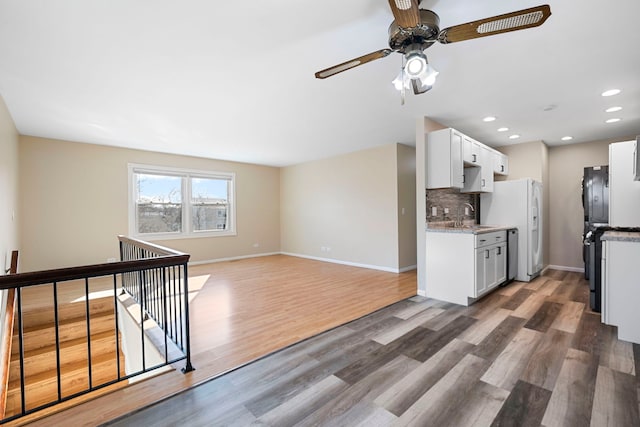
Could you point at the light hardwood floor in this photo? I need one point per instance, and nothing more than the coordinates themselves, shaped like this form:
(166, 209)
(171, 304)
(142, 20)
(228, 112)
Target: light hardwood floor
(242, 310)
(529, 354)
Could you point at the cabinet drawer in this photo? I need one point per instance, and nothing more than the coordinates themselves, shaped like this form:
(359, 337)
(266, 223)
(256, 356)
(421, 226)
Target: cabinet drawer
(486, 239)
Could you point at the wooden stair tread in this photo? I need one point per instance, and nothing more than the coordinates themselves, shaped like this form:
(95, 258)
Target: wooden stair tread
(40, 365)
(45, 315)
(44, 358)
(68, 330)
(70, 369)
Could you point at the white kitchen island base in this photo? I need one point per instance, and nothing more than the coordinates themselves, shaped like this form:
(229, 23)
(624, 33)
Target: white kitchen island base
(463, 266)
(621, 283)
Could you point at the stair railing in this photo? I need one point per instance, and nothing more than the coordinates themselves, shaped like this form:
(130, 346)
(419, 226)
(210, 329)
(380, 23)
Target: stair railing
(7, 325)
(155, 277)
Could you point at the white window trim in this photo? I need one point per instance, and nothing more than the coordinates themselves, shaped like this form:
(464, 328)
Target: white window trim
(187, 232)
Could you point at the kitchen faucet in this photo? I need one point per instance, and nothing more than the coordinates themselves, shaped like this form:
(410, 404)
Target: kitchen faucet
(459, 220)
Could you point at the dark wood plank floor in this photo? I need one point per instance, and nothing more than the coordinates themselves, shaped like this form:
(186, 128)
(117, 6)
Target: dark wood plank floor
(529, 354)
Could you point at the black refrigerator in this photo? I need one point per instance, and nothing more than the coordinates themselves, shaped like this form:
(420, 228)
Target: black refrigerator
(595, 200)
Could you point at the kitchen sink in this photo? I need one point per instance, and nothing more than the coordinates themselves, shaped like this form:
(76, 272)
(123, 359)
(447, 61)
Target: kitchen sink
(476, 227)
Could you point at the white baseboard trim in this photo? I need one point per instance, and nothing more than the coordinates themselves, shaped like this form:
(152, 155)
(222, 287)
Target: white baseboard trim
(409, 268)
(211, 261)
(351, 264)
(334, 261)
(422, 293)
(563, 268)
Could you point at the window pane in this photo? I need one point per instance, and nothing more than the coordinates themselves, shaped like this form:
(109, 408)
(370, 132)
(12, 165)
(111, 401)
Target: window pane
(159, 203)
(209, 204)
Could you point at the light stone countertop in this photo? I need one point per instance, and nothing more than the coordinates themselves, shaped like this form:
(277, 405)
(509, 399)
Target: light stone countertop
(468, 229)
(621, 236)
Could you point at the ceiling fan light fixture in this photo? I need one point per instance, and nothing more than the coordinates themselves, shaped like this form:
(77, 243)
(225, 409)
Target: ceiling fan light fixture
(416, 64)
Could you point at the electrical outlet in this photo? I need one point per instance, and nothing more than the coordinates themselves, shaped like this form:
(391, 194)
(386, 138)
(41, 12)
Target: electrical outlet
(111, 260)
(434, 211)
(328, 249)
(446, 211)
(402, 211)
(255, 245)
(466, 210)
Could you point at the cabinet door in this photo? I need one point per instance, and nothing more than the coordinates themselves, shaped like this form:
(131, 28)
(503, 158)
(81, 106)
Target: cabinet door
(500, 164)
(472, 180)
(444, 166)
(470, 151)
(501, 264)
(487, 170)
(481, 263)
(490, 260)
(457, 166)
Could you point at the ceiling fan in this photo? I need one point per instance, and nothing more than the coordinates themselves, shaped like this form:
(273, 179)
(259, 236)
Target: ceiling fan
(414, 30)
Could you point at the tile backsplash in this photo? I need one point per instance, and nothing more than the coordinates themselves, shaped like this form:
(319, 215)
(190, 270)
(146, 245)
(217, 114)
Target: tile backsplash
(452, 199)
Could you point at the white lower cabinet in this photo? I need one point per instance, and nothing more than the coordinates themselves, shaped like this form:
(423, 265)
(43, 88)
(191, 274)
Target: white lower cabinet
(620, 290)
(491, 267)
(461, 267)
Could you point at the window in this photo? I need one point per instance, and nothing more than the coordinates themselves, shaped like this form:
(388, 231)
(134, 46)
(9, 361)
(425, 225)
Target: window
(170, 203)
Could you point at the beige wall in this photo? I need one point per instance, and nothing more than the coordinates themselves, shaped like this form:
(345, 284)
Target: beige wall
(406, 206)
(8, 185)
(74, 203)
(525, 160)
(347, 203)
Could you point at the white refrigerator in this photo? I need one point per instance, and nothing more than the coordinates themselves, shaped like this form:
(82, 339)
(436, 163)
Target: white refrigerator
(518, 204)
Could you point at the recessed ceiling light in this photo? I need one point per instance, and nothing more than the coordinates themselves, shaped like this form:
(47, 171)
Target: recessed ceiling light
(612, 109)
(613, 120)
(516, 136)
(503, 129)
(567, 138)
(611, 92)
(489, 119)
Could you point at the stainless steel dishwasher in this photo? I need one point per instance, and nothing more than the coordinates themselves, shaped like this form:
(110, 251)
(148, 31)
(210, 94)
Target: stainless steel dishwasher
(512, 254)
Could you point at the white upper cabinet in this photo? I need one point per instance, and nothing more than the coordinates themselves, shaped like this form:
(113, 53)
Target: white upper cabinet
(456, 161)
(470, 151)
(500, 164)
(480, 179)
(486, 159)
(444, 165)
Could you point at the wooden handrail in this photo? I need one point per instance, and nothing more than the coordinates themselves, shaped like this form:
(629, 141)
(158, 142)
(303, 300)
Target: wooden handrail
(7, 337)
(87, 271)
(160, 250)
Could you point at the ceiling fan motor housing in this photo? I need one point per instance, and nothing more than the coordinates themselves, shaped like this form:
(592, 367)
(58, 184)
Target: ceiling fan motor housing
(424, 34)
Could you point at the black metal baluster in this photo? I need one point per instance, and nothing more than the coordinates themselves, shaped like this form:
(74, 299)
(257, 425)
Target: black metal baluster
(140, 301)
(86, 300)
(164, 314)
(176, 300)
(182, 306)
(57, 328)
(115, 313)
(23, 403)
(188, 367)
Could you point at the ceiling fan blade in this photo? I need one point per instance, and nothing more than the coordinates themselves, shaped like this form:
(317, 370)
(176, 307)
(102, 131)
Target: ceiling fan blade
(352, 63)
(513, 21)
(405, 12)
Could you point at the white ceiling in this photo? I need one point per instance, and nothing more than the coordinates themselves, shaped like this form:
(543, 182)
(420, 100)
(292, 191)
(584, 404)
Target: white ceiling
(235, 80)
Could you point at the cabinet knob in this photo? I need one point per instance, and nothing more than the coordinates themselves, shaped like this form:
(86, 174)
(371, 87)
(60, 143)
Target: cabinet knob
(486, 254)
(483, 182)
(474, 158)
(499, 251)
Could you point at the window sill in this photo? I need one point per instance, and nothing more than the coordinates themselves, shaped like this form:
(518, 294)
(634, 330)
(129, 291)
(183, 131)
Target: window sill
(184, 236)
